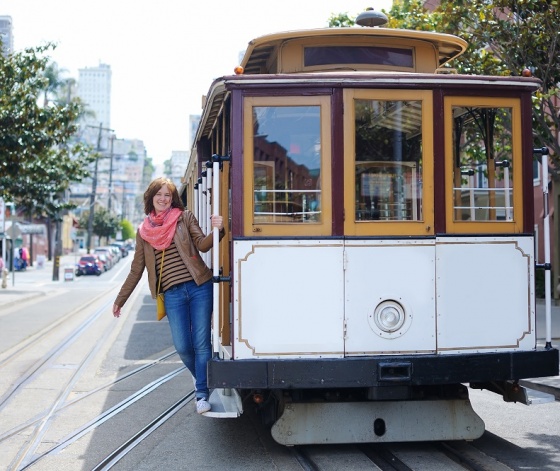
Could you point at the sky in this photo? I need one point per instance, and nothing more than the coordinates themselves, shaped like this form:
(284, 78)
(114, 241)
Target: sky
(163, 54)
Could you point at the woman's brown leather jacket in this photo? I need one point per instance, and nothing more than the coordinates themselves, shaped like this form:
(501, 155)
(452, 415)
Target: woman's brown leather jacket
(189, 239)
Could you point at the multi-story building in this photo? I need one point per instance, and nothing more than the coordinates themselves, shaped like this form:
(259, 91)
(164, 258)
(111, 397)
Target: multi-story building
(117, 176)
(118, 186)
(194, 119)
(6, 34)
(94, 88)
(179, 160)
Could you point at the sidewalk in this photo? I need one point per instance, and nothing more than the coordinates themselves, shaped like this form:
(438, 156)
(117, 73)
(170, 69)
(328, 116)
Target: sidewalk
(37, 281)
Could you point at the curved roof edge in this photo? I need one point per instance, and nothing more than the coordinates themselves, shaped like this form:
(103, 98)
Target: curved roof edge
(448, 46)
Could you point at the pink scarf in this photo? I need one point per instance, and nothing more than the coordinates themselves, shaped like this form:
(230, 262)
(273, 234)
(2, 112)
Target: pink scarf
(158, 229)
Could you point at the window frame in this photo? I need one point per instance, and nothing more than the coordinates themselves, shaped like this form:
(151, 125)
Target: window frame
(422, 227)
(292, 229)
(479, 226)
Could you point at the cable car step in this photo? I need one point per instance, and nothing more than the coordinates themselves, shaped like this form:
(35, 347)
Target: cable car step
(226, 403)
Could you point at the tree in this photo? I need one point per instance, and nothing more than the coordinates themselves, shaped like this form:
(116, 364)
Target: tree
(38, 158)
(341, 20)
(128, 230)
(505, 37)
(105, 224)
(524, 35)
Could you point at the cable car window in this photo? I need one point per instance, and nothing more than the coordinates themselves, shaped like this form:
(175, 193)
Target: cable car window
(483, 172)
(287, 164)
(388, 160)
(327, 55)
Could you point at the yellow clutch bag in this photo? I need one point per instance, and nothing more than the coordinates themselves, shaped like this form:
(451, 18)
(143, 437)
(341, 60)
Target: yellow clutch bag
(160, 307)
(160, 304)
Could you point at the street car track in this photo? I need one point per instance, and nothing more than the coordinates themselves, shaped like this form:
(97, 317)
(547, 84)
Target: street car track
(16, 351)
(83, 396)
(448, 456)
(36, 367)
(112, 412)
(123, 449)
(73, 352)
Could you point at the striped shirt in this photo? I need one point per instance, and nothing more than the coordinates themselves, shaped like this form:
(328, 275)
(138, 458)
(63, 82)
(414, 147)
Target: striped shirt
(174, 269)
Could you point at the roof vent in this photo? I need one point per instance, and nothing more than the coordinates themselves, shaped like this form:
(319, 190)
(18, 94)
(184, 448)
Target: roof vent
(372, 18)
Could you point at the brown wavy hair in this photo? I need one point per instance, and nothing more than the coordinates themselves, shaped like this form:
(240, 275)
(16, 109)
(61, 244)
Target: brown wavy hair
(152, 190)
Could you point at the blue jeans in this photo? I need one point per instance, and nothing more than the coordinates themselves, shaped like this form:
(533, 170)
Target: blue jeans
(189, 310)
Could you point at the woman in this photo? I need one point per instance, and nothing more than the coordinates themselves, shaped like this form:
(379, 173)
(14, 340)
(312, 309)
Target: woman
(172, 232)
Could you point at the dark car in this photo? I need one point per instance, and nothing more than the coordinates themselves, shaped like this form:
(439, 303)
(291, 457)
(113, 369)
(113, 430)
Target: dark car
(89, 265)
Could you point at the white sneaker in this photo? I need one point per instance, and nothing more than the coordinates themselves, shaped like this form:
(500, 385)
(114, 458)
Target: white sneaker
(202, 406)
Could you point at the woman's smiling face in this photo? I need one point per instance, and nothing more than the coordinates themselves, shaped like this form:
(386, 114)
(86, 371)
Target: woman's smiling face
(162, 199)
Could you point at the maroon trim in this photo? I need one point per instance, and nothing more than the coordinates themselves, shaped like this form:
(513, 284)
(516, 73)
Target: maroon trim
(439, 164)
(378, 80)
(446, 87)
(236, 167)
(337, 161)
(527, 163)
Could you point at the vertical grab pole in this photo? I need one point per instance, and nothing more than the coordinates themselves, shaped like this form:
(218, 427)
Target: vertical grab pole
(203, 216)
(504, 164)
(216, 256)
(471, 195)
(546, 222)
(470, 173)
(208, 208)
(195, 202)
(507, 197)
(199, 199)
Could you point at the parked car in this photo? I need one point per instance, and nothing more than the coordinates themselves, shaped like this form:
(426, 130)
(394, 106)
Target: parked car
(113, 251)
(109, 255)
(116, 252)
(121, 247)
(89, 265)
(105, 260)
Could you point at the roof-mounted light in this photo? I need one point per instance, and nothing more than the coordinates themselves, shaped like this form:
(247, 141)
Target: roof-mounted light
(371, 18)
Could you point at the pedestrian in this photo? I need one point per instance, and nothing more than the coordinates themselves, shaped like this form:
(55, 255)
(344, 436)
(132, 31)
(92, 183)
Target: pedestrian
(17, 259)
(24, 257)
(171, 232)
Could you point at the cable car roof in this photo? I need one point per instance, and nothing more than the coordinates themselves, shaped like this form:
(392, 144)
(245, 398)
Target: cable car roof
(261, 51)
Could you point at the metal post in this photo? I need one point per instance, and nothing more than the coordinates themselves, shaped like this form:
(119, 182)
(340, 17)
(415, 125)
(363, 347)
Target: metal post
(204, 204)
(3, 271)
(110, 174)
(216, 256)
(546, 230)
(93, 191)
(208, 209)
(94, 186)
(57, 249)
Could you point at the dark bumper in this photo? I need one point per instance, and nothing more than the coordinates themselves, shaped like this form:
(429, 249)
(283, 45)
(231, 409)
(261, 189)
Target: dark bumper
(413, 370)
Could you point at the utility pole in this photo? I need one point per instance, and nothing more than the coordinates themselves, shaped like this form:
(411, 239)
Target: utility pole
(94, 187)
(57, 247)
(3, 274)
(58, 226)
(111, 174)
